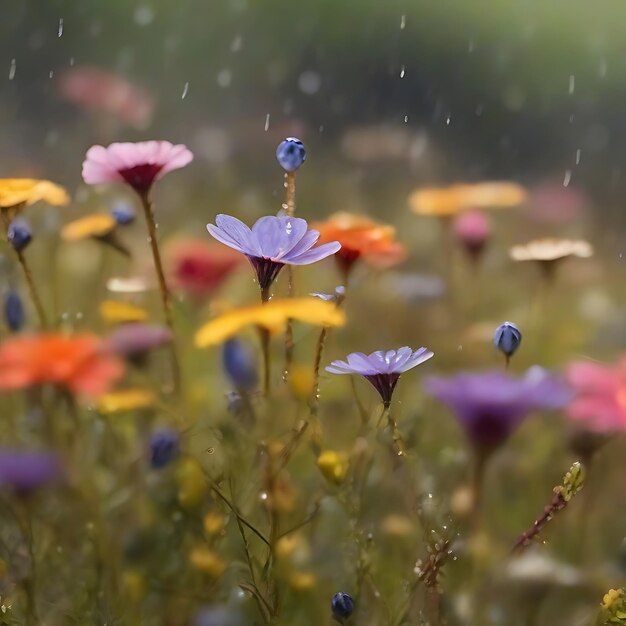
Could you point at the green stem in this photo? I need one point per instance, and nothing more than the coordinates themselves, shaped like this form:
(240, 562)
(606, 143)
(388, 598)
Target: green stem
(166, 300)
(289, 205)
(32, 288)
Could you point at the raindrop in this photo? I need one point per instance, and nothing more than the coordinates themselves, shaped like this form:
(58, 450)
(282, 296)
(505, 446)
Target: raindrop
(572, 84)
(402, 22)
(185, 90)
(60, 31)
(267, 122)
(263, 496)
(402, 71)
(235, 44)
(567, 178)
(448, 120)
(578, 156)
(51, 74)
(12, 70)
(406, 119)
(224, 78)
(471, 46)
(72, 61)
(602, 68)
(143, 15)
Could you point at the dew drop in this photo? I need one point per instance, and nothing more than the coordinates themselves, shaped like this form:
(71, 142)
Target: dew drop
(402, 22)
(12, 68)
(267, 122)
(185, 90)
(567, 178)
(60, 31)
(402, 71)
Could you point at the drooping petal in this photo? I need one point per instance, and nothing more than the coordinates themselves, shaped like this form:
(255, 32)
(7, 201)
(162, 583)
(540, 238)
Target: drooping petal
(314, 254)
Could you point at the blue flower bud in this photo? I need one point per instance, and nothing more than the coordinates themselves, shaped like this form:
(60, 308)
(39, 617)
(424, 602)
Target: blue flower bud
(507, 338)
(342, 606)
(240, 365)
(291, 154)
(13, 311)
(123, 214)
(163, 447)
(19, 234)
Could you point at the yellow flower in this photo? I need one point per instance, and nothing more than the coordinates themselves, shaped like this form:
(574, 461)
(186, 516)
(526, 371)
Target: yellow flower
(213, 523)
(26, 191)
(273, 316)
(611, 597)
(95, 225)
(448, 201)
(207, 562)
(397, 526)
(134, 585)
(301, 380)
(302, 581)
(125, 400)
(192, 484)
(116, 312)
(551, 250)
(333, 465)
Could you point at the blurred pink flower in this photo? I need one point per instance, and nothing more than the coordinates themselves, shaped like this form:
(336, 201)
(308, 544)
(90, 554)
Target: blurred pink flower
(600, 401)
(138, 164)
(472, 230)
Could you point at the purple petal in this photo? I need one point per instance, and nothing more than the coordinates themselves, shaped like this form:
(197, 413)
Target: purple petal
(314, 254)
(363, 364)
(238, 232)
(339, 367)
(222, 237)
(278, 235)
(308, 241)
(417, 358)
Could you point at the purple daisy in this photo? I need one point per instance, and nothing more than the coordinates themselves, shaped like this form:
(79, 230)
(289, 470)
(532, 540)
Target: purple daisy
(272, 243)
(24, 471)
(381, 368)
(490, 405)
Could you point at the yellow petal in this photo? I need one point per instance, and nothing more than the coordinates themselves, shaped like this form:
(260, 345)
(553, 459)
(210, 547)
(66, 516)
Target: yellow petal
(15, 191)
(95, 225)
(333, 465)
(114, 312)
(273, 316)
(126, 400)
(192, 483)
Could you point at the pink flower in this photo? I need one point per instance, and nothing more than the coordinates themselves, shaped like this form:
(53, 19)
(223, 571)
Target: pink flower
(138, 164)
(600, 402)
(472, 230)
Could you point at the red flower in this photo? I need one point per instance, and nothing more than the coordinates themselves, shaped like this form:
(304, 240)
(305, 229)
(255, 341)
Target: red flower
(198, 268)
(76, 363)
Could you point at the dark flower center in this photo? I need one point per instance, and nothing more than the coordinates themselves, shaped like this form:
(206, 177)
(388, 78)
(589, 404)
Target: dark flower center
(345, 259)
(384, 384)
(266, 270)
(490, 430)
(141, 177)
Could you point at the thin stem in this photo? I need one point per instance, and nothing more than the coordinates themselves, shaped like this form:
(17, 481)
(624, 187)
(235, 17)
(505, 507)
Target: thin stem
(265, 347)
(166, 300)
(30, 582)
(478, 479)
(289, 205)
(34, 294)
(314, 402)
(397, 441)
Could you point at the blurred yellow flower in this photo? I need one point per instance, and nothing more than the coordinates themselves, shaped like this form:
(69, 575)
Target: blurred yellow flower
(95, 225)
(397, 526)
(15, 192)
(301, 380)
(551, 250)
(273, 316)
(213, 523)
(207, 561)
(116, 312)
(448, 201)
(333, 465)
(302, 581)
(134, 585)
(125, 400)
(192, 483)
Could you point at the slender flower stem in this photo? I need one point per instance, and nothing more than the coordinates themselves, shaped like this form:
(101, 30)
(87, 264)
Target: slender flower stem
(397, 441)
(166, 300)
(265, 347)
(28, 275)
(481, 458)
(525, 539)
(30, 582)
(34, 294)
(289, 205)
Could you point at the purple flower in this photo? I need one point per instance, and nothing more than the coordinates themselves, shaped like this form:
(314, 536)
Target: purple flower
(272, 243)
(134, 340)
(23, 471)
(381, 368)
(490, 405)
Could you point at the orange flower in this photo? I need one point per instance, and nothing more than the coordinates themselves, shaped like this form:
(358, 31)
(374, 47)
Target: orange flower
(198, 268)
(361, 237)
(77, 363)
